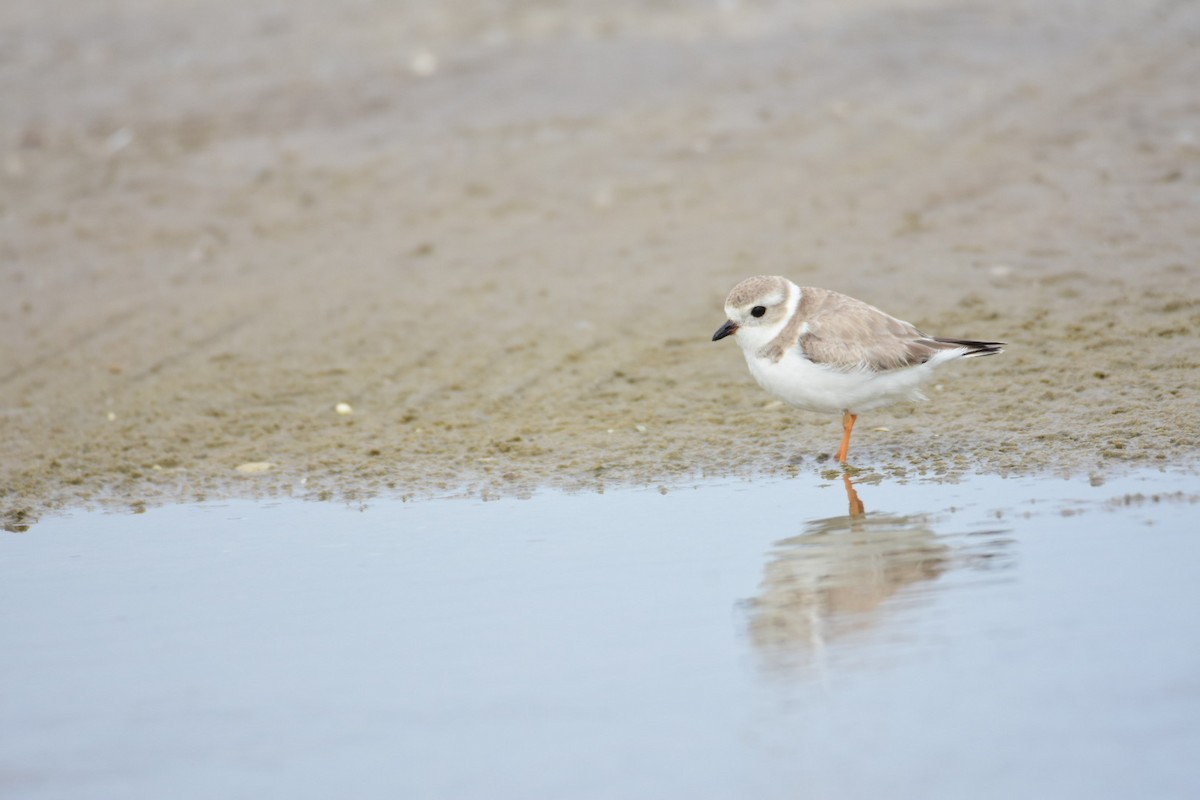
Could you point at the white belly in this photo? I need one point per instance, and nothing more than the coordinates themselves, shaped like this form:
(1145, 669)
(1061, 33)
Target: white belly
(814, 387)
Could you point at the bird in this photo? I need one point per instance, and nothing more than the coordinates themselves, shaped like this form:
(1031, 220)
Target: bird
(820, 350)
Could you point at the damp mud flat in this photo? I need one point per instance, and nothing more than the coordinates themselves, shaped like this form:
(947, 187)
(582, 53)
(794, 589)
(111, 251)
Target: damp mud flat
(499, 239)
(991, 638)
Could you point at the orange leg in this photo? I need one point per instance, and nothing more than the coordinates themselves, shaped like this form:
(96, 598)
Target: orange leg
(847, 426)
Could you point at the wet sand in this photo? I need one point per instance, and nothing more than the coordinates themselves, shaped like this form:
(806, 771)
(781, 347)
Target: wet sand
(504, 239)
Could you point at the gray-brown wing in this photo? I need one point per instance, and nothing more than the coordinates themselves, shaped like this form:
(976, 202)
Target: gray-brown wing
(849, 334)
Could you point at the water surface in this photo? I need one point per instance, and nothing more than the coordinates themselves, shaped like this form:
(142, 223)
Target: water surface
(782, 638)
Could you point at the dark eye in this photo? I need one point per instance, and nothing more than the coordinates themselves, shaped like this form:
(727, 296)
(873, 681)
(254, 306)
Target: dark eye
(758, 311)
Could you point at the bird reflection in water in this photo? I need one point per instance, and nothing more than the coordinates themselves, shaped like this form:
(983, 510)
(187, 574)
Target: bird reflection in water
(833, 579)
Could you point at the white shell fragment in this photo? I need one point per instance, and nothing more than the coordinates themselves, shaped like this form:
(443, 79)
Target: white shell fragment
(251, 467)
(423, 63)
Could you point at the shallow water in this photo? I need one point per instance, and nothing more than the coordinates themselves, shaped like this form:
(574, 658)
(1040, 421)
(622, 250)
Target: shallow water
(991, 638)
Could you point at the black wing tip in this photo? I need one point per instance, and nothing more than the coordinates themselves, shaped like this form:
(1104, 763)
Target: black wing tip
(974, 348)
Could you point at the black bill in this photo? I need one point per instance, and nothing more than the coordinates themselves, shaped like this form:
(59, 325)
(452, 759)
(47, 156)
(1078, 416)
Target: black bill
(726, 329)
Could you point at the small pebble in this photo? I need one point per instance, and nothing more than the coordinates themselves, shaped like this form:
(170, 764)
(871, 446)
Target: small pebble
(344, 409)
(423, 63)
(603, 196)
(118, 141)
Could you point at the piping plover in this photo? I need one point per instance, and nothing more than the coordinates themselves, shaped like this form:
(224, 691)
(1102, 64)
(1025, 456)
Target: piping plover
(823, 351)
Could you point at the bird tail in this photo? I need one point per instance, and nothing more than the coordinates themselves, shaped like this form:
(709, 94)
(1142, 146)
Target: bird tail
(973, 348)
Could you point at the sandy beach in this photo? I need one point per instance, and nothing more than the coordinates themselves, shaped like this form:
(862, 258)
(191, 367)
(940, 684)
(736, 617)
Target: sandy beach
(503, 239)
